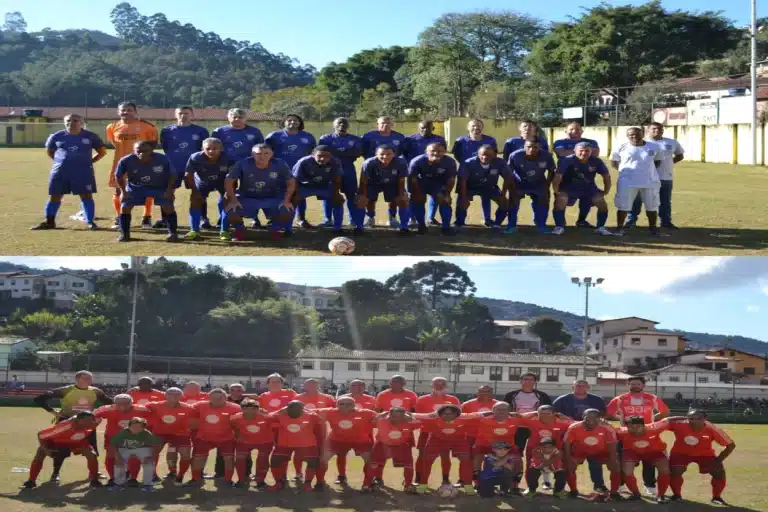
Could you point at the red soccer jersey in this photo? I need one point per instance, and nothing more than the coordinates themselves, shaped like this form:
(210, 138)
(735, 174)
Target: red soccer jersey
(540, 431)
(143, 398)
(697, 443)
(354, 427)
(477, 405)
(455, 430)
(589, 442)
(406, 399)
(170, 421)
(65, 433)
(489, 430)
(316, 401)
(215, 425)
(254, 431)
(426, 404)
(272, 401)
(363, 401)
(301, 432)
(193, 399)
(649, 442)
(117, 420)
(395, 435)
(640, 404)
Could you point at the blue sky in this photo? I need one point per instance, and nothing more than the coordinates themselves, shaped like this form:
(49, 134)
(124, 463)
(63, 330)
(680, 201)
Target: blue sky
(705, 294)
(313, 36)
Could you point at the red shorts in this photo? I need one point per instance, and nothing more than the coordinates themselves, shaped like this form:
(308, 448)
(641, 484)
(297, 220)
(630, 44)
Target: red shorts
(580, 458)
(107, 445)
(202, 448)
(342, 448)
(176, 441)
(423, 438)
(82, 446)
(401, 455)
(298, 452)
(435, 447)
(706, 463)
(247, 448)
(630, 456)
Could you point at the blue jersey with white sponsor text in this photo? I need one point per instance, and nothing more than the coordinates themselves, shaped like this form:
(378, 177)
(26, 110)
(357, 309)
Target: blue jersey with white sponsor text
(347, 148)
(310, 174)
(181, 142)
(255, 183)
(531, 172)
(374, 139)
(73, 152)
(207, 173)
(480, 176)
(465, 148)
(489, 470)
(577, 173)
(517, 143)
(428, 173)
(291, 147)
(570, 144)
(156, 173)
(416, 145)
(238, 143)
(379, 176)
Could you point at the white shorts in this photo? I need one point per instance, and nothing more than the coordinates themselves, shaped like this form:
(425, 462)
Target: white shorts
(140, 453)
(625, 196)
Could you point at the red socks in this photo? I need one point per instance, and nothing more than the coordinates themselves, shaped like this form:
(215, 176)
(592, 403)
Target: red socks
(676, 483)
(570, 477)
(407, 476)
(93, 468)
(262, 465)
(426, 470)
(718, 486)
(322, 469)
(197, 474)
(631, 482)
(279, 471)
(183, 467)
(662, 482)
(341, 464)
(465, 471)
(615, 482)
(369, 474)
(34, 470)
(228, 472)
(109, 465)
(445, 465)
(240, 466)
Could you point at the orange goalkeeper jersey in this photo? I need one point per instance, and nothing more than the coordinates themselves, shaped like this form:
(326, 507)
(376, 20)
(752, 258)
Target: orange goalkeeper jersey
(124, 135)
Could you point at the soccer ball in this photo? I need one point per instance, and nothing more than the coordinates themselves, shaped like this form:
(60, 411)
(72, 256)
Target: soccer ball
(341, 246)
(447, 491)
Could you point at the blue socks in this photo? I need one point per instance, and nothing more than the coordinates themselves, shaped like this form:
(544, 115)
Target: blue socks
(602, 218)
(513, 216)
(338, 216)
(89, 208)
(173, 222)
(195, 216)
(446, 213)
(302, 210)
(541, 214)
(405, 217)
(125, 223)
(500, 215)
(559, 216)
(485, 202)
(51, 209)
(432, 207)
(327, 210)
(418, 210)
(461, 214)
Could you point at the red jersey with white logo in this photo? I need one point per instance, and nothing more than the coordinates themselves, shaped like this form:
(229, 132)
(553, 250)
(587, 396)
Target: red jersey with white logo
(65, 433)
(390, 434)
(426, 404)
(193, 399)
(272, 401)
(316, 401)
(636, 404)
(255, 431)
(301, 432)
(541, 431)
(170, 420)
(145, 397)
(697, 443)
(363, 401)
(117, 420)
(477, 405)
(352, 427)
(489, 430)
(455, 430)
(649, 442)
(388, 399)
(587, 443)
(215, 425)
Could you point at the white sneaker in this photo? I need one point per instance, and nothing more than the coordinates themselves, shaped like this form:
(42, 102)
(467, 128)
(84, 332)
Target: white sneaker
(78, 216)
(413, 223)
(650, 491)
(546, 480)
(557, 230)
(393, 222)
(602, 230)
(370, 222)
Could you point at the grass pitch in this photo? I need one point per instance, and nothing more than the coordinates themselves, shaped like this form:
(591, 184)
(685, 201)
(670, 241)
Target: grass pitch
(719, 208)
(747, 489)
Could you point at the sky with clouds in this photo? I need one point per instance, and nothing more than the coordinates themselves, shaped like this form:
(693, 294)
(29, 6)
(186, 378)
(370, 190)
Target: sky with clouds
(719, 295)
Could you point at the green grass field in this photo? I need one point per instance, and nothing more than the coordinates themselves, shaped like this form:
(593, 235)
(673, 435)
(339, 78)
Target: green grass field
(718, 207)
(747, 485)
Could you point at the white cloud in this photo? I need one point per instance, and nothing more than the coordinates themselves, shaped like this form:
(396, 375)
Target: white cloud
(668, 299)
(485, 260)
(765, 290)
(71, 262)
(645, 274)
(752, 308)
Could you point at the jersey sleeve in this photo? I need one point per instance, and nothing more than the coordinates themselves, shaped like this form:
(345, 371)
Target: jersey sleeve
(616, 156)
(602, 168)
(121, 168)
(296, 172)
(164, 139)
(719, 436)
(413, 168)
(661, 406)
(111, 133)
(456, 150)
(562, 165)
(544, 144)
(507, 150)
(236, 172)
(50, 143)
(679, 149)
(272, 140)
(96, 142)
(452, 169)
(551, 163)
(284, 171)
(612, 408)
(216, 133)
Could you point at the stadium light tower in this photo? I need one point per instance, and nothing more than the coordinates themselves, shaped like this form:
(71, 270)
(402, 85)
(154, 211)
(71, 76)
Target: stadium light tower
(137, 262)
(587, 283)
(753, 80)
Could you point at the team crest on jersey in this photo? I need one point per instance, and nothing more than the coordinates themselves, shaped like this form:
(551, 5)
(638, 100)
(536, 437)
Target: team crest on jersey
(318, 179)
(238, 144)
(183, 145)
(250, 136)
(146, 179)
(261, 184)
(385, 180)
(668, 147)
(395, 142)
(89, 188)
(86, 141)
(73, 149)
(212, 178)
(531, 173)
(138, 129)
(158, 169)
(394, 172)
(273, 175)
(350, 143)
(292, 148)
(195, 137)
(441, 171)
(304, 140)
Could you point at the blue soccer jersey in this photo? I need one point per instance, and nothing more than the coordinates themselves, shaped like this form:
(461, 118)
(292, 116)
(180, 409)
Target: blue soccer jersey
(570, 144)
(416, 145)
(374, 139)
(347, 148)
(156, 173)
(517, 143)
(291, 148)
(73, 152)
(576, 173)
(238, 143)
(310, 174)
(428, 174)
(255, 183)
(531, 173)
(181, 142)
(209, 174)
(379, 176)
(481, 176)
(465, 148)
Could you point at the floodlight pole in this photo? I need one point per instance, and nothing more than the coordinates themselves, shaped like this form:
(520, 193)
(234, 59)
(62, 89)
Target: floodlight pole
(587, 283)
(129, 373)
(753, 80)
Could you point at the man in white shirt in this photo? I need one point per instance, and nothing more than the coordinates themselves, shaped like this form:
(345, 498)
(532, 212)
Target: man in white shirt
(671, 153)
(637, 161)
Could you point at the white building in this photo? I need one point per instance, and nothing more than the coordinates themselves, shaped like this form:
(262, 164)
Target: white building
(318, 298)
(340, 365)
(517, 334)
(680, 373)
(11, 347)
(630, 341)
(64, 288)
(19, 285)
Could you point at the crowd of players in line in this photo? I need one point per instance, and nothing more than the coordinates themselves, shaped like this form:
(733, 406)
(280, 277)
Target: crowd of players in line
(414, 174)
(492, 440)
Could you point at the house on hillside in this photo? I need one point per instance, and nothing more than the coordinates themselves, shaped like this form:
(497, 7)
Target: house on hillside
(321, 299)
(516, 334)
(751, 366)
(681, 373)
(61, 288)
(11, 347)
(631, 342)
(20, 285)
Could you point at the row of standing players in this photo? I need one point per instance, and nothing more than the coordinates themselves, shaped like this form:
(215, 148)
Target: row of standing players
(140, 181)
(490, 438)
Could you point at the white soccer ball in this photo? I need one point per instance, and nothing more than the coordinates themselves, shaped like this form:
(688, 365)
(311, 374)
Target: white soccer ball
(341, 246)
(447, 491)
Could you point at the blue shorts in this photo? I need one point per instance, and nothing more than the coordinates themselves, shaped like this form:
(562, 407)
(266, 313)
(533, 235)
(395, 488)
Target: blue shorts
(206, 188)
(430, 188)
(535, 193)
(249, 207)
(581, 193)
(490, 192)
(390, 193)
(69, 182)
(349, 182)
(139, 196)
(320, 193)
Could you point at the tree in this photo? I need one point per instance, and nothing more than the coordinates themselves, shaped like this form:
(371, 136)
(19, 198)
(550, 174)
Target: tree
(14, 22)
(249, 288)
(364, 70)
(475, 318)
(553, 335)
(440, 283)
(42, 326)
(391, 332)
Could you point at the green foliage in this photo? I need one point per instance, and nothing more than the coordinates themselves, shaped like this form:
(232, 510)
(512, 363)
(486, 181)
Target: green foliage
(551, 332)
(436, 281)
(14, 22)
